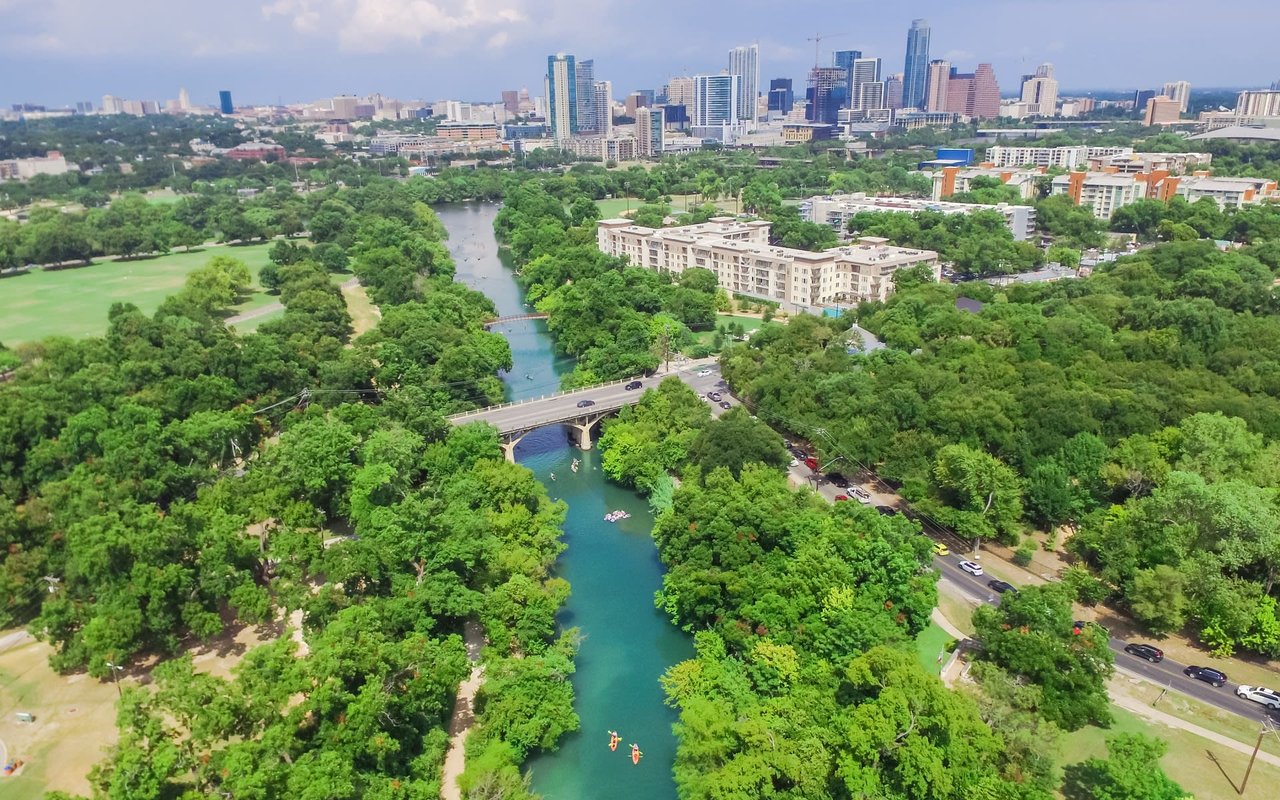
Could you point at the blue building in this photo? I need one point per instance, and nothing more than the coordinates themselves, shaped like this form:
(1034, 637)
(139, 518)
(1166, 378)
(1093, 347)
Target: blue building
(781, 95)
(844, 60)
(562, 96)
(915, 72)
(224, 101)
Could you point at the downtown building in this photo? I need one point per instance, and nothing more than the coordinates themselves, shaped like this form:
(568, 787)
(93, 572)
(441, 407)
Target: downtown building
(915, 70)
(715, 107)
(650, 131)
(561, 91)
(745, 263)
(745, 63)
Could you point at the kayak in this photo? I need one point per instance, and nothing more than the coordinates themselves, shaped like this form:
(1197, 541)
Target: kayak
(614, 738)
(635, 754)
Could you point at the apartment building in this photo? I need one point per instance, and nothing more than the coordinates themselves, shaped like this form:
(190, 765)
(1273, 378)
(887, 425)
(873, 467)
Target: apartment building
(604, 148)
(1062, 157)
(836, 210)
(950, 180)
(469, 131)
(22, 169)
(745, 263)
(1104, 192)
(1130, 163)
(1226, 192)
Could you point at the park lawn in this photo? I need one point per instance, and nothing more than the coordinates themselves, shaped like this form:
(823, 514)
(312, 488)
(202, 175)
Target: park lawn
(1190, 760)
(749, 325)
(615, 206)
(930, 644)
(74, 302)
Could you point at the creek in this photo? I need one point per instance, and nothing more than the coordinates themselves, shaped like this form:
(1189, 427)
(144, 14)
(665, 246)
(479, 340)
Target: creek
(613, 568)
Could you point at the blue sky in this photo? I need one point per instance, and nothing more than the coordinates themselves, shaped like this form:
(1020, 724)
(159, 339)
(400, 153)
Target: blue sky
(60, 51)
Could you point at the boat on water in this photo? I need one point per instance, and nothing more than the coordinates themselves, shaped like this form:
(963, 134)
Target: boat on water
(614, 516)
(635, 754)
(614, 738)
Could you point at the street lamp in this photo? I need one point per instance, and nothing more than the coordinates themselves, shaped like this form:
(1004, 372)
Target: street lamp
(116, 669)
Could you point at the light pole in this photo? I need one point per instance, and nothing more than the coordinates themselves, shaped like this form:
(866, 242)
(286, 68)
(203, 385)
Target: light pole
(115, 677)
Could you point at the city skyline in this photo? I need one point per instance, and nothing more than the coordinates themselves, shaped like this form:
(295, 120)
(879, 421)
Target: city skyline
(294, 50)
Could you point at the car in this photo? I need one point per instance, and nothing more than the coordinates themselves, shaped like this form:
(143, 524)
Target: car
(1148, 651)
(940, 549)
(702, 373)
(811, 463)
(971, 568)
(1206, 674)
(725, 404)
(798, 453)
(861, 494)
(795, 462)
(1000, 587)
(715, 396)
(841, 497)
(1260, 694)
(886, 511)
(633, 385)
(586, 403)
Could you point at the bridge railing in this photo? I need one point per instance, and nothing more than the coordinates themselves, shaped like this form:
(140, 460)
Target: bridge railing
(568, 393)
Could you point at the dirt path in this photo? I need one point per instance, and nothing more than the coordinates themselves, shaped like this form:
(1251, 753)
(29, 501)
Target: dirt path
(463, 715)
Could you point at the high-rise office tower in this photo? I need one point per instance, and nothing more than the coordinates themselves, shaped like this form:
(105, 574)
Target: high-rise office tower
(826, 94)
(893, 91)
(745, 63)
(871, 96)
(1140, 99)
(915, 71)
(974, 94)
(715, 100)
(562, 96)
(781, 95)
(511, 101)
(1180, 91)
(224, 102)
(650, 131)
(184, 99)
(936, 93)
(1040, 91)
(865, 70)
(604, 107)
(844, 60)
(585, 77)
(680, 92)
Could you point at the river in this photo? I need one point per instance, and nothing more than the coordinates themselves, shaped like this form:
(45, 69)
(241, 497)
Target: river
(613, 568)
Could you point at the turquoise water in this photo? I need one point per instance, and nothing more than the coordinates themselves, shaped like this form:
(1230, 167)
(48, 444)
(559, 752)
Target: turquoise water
(613, 568)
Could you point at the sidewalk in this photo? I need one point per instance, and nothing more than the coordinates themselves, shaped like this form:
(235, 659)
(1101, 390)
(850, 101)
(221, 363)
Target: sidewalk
(1168, 720)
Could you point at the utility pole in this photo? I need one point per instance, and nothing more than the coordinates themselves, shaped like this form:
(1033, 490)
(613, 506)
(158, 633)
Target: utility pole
(1267, 727)
(115, 678)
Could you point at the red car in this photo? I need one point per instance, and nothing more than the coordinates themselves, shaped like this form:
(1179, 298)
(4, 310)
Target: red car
(811, 463)
(840, 497)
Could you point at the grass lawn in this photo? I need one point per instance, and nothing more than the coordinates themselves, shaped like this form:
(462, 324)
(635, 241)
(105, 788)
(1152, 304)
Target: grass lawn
(1196, 764)
(364, 314)
(929, 643)
(614, 206)
(74, 302)
(749, 324)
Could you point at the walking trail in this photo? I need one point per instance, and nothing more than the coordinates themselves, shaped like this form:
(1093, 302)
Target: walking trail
(463, 714)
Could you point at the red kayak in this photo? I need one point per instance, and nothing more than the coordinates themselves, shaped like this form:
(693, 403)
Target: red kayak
(614, 738)
(635, 754)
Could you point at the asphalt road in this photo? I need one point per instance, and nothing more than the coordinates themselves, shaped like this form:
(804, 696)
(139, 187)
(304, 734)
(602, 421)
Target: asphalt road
(1166, 673)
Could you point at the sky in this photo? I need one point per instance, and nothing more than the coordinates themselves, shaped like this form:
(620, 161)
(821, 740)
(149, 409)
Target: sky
(59, 51)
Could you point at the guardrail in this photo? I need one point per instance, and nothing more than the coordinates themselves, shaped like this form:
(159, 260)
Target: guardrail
(568, 393)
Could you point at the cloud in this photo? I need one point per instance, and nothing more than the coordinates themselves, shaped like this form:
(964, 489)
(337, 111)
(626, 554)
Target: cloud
(379, 25)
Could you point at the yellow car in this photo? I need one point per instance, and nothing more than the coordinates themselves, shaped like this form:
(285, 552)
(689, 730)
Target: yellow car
(941, 549)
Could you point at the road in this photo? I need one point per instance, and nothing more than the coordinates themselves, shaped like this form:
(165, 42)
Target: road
(1166, 673)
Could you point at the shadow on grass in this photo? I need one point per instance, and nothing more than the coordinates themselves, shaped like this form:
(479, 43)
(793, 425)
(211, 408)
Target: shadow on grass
(1080, 781)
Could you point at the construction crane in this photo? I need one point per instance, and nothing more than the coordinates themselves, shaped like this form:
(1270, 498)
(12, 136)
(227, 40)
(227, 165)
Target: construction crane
(817, 43)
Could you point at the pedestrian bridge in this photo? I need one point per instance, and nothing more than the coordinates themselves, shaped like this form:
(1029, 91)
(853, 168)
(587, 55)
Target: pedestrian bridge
(489, 323)
(514, 421)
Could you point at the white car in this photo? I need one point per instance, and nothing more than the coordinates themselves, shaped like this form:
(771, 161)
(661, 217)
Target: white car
(1259, 694)
(795, 462)
(861, 494)
(702, 373)
(971, 568)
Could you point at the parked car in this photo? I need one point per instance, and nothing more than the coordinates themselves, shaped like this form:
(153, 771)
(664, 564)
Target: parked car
(586, 403)
(940, 549)
(886, 511)
(971, 568)
(811, 463)
(1259, 694)
(725, 404)
(799, 453)
(841, 497)
(795, 462)
(633, 385)
(1206, 674)
(1148, 651)
(861, 494)
(702, 373)
(1000, 587)
(714, 396)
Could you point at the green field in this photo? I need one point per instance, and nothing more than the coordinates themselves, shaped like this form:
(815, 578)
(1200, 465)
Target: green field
(615, 206)
(1190, 760)
(931, 642)
(749, 325)
(74, 302)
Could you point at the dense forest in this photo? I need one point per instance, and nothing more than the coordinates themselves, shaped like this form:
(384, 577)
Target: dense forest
(174, 480)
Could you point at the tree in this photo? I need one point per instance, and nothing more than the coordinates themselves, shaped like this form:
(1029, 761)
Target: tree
(734, 440)
(986, 491)
(1131, 771)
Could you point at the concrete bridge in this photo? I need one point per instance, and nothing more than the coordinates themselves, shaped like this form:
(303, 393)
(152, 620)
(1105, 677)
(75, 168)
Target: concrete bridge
(489, 323)
(514, 421)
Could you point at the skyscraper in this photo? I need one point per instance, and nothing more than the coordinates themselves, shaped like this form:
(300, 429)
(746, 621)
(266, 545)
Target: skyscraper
(745, 63)
(562, 96)
(844, 59)
(1040, 91)
(826, 93)
(603, 102)
(915, 72)
(224, 102)
(184, 100)
(585, 77)
(650, 131)
(715, 100)
(1140, 98)
(680, 92)
(1180, 91)
(511, 101)
(865, 70)
(893, 91)
(936, 93)
(781, 96)
(973, 94)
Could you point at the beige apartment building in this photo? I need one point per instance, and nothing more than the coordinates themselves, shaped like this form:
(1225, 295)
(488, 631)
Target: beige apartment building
(744, 261)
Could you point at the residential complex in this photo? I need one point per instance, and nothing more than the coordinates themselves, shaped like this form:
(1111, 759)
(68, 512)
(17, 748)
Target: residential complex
(1105, 192)
(22, 169)
(650, 131)
(836, 211)
(744, 261)
(1122, 159)
(950, 180)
